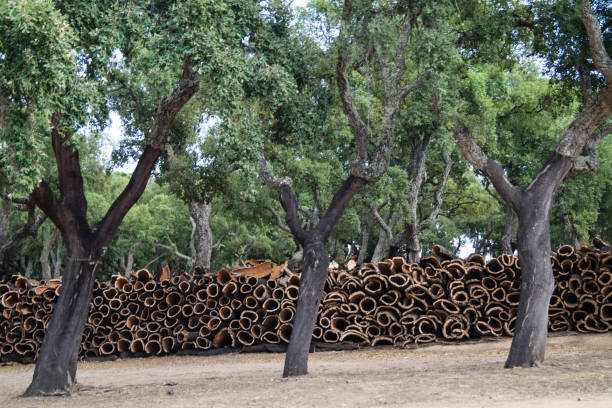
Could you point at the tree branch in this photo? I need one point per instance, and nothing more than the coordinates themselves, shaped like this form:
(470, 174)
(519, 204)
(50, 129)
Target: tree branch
(137, 101)
(278, 219)
(381, 221)
(490, 168)
(339, 202)
(171, 104)
(288, 200)
(173, 248)
(359, 129)
(69, 173)
(438, 193)
(588, 160)
(268, 178)
(400, 60)
(577, 134)
(44, 198)
(586, 85)
(601, 59)
(29, 229)
(167, 110)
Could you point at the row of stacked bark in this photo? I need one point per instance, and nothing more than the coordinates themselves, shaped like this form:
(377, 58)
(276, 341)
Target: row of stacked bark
(441, 298)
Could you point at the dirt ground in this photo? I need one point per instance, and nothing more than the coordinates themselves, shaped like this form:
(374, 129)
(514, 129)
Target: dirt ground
(578, 372)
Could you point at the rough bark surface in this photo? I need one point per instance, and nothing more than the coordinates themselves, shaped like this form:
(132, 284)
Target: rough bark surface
(55, 370)
(365, 236)
(45, 262)
(529, 342)
(5, 214)
(312, 282)
(200, 213)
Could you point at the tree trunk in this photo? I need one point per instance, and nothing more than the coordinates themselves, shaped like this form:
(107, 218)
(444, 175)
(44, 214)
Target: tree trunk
(312, 283)
(534, 209)
(506, 240)
(570, 231)
(529, 342)
(55, 370)
(57, 258)
(128, 265)
(29, 267)
(365, 236)
(382, 246)
(5, 215)
(296, 259)
(200, 213)
(413, 245)
(45, 264)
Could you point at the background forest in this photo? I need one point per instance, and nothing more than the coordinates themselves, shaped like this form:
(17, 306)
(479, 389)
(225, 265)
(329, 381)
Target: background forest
(205, 203)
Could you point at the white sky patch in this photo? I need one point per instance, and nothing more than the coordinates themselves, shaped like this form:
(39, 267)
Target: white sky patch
(112, 135)
(466, 249)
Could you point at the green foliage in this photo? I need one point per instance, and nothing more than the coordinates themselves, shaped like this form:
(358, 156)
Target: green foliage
(267, 80)
(36, 69)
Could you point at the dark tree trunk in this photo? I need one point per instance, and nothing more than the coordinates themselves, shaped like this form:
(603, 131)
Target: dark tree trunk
(56, 366)
(534, 209)
(200, 213)
(314, 264)
(55, 370)
(312, 282)
(529, 342)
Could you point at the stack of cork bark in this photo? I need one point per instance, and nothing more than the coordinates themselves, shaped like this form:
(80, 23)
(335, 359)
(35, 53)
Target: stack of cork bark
(441, 298)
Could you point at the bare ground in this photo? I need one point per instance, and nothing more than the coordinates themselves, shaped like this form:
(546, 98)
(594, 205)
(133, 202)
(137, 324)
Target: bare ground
(578, 372)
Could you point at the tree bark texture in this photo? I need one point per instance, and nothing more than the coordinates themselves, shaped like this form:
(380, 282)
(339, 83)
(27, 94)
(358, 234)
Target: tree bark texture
(535, 207)
(365, 236)
(382, 246)
(45, 262)
(200, 213)
(5, 215)
(312, 282)
(506, 241)
(55, 370)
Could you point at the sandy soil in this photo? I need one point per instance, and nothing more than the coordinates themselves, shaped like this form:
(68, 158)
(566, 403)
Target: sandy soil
(578, 372)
